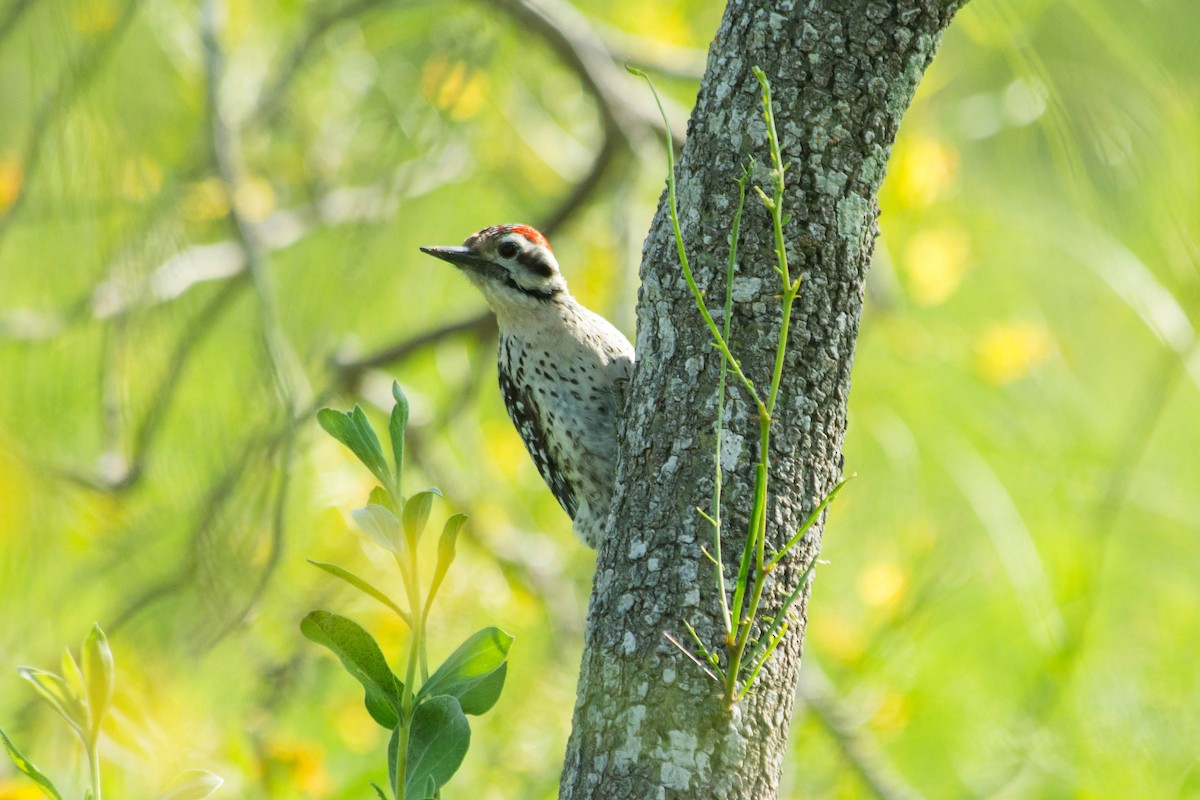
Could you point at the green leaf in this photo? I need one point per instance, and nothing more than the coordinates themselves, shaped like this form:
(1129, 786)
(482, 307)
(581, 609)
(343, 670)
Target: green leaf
(364, 587)
(59, 694)
(465, 674)
(362, 658)
(194, 784)
(354, 430)
(447, 545)
(380, 525)
(437, 744)
(71, 672)
(97, 678)
(378, 791)
(448, 542)
(396, 427)
(382, 497)
(29, 769)
(480, 698)
(416, 515)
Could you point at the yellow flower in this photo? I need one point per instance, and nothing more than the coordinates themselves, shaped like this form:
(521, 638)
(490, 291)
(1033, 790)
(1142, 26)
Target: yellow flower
(1009, 351)
(882, 585)
(140, 178)
(923, 170)
(935, 262)
(16, 487)
(19, 789)
(205, 200)
(299, 765)
(11, 177)
(454, 87)
(255, 198)
(892, 714)
(94, 17)
(838, 636)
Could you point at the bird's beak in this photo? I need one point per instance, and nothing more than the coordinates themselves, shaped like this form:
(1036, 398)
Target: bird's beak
(458, 256)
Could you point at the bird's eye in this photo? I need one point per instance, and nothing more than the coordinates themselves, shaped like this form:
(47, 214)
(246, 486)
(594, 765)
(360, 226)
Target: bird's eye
(508, 249)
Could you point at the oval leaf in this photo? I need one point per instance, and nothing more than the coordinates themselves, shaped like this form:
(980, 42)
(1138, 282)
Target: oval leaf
(354, 430)
(381, 525)
(362, 658)
(26, 766)
(469, 667)
(480, 698)
(97, 677)
(437, 744)
(416, 515)
(396, 427)
(195, 784)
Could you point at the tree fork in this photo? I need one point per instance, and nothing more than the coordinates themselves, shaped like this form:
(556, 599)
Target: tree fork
(648, 723)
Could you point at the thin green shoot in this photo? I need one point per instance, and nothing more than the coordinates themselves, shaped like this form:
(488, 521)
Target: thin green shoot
(718, 340)
(740, 615)
(715, 519)
(808, 523)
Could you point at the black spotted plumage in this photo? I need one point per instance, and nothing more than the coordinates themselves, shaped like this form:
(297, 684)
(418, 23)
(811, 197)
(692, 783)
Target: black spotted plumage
(526, 415)
(562, 368)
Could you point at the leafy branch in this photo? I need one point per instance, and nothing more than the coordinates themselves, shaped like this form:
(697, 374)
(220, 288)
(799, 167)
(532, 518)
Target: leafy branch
(430, 731)
(749, 637)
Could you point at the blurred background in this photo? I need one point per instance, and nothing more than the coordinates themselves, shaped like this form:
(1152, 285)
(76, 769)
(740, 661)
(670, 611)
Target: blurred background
(209, 221)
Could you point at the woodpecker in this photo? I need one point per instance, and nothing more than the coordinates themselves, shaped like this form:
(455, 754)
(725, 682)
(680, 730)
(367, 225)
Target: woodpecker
(563, 369)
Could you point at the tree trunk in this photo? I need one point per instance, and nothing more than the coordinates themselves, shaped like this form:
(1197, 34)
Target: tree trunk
(649, 723)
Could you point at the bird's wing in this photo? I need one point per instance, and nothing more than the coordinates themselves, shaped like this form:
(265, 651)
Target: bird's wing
(525, 414)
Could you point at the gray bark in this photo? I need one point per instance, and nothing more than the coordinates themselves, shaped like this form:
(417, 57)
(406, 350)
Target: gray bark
(648, 723)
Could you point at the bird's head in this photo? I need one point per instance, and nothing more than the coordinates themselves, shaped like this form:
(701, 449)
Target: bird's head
(511, 264)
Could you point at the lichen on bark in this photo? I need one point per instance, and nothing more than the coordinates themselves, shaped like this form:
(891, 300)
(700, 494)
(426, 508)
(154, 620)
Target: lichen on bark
(647, 722)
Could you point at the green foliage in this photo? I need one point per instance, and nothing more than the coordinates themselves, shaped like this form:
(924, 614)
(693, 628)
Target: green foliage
(83, 699)
(430, 732)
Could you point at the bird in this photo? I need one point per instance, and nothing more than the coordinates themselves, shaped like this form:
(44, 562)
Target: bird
(563, 369)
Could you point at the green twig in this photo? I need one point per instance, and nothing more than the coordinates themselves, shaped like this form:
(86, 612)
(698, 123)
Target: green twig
(746, 655)
(718, 339)
(782, 615)
(808, 523)
(726, 618)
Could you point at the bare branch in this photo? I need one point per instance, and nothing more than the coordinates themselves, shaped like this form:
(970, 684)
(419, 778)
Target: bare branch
(270, 100)
(652, 55)
(351, 369)
(12, 17)
(75, 79)
(569, 34)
